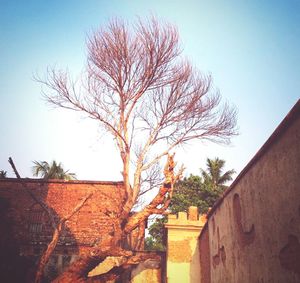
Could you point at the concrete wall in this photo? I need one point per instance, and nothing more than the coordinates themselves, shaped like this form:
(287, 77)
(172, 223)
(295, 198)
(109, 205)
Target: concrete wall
(254, 230)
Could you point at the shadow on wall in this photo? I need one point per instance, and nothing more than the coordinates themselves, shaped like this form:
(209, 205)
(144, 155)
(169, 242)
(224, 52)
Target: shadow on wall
(204, 253)
(13, 267)
(289, 255)
(195, 274)
(25, 231)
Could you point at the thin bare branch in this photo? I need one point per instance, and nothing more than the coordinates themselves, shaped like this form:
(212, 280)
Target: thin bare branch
(55, 237)
(32, 195)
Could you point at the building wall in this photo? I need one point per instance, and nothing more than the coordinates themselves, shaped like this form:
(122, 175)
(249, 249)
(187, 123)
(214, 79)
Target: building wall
(254, 230)
(183, 260)
(25, 229)
(204, 254)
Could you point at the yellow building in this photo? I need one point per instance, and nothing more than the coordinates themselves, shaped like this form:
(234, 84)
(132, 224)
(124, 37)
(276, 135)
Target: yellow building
(183, 259)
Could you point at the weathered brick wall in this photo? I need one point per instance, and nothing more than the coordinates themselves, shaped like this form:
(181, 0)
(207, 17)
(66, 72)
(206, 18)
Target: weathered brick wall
(25, 229)
(254, 230)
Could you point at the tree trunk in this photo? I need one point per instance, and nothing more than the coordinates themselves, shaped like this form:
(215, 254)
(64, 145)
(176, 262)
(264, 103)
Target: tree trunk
(46, 255)
(131, 261)
(78, 271)
(110, 245)
(113, 244)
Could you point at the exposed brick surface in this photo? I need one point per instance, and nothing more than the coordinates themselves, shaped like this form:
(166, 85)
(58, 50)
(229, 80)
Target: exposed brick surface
(24, 226)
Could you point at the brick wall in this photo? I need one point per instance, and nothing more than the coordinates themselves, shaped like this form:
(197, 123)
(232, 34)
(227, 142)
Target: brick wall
(25, 229)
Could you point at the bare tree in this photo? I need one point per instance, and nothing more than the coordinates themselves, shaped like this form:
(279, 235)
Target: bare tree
(141, 91)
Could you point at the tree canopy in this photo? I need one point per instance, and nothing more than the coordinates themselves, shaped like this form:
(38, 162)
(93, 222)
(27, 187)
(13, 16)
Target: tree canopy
(201, 191)
(214, 176)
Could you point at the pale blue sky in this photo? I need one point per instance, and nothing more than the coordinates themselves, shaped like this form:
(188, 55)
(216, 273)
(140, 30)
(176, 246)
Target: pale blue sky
(251, 48)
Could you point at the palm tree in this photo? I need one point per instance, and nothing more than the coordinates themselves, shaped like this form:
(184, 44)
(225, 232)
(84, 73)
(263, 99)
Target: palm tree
(51, 171)
(2, 174)
(213, 175)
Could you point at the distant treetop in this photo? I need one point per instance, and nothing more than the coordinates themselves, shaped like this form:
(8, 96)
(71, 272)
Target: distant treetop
(53, 170)
(3, 174)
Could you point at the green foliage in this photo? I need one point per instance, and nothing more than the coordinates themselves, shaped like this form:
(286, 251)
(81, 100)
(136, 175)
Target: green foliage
(156, 239)
(201, 191)
(213, 176)
(152, 245)
(51, 171)
(192, 191)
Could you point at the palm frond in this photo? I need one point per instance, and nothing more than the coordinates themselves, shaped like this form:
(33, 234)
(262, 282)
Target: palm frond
(53, 170)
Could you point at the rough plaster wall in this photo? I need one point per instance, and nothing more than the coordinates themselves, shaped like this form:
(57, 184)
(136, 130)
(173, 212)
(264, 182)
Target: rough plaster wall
(183, 256)
(255, 232)
(204, 256)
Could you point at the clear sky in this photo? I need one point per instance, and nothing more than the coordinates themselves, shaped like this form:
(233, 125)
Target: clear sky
(250, 47)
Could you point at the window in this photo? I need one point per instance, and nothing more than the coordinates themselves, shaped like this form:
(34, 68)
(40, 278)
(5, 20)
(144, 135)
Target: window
(35, 219)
